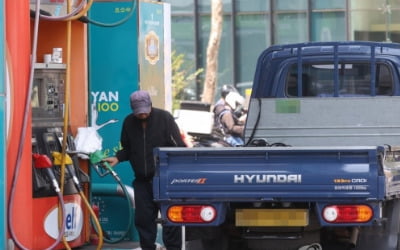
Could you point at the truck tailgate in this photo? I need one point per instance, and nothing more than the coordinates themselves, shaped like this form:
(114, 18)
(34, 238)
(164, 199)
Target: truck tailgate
(268, 174)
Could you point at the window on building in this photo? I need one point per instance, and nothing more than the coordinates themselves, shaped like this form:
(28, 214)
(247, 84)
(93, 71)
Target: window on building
(328, 20)
(183, 42)
(252, 6)
(252, 22)
(327, 5)
(290, 21)
(375, 20)
(290, 5)
(183, 36)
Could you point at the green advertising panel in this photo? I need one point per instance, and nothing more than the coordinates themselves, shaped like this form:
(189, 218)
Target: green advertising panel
(113, 76)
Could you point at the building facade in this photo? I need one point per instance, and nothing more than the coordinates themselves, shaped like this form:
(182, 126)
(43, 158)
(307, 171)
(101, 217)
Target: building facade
(250, 26)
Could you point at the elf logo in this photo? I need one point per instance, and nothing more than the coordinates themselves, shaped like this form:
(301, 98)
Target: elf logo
(70, 221)
(73, 222)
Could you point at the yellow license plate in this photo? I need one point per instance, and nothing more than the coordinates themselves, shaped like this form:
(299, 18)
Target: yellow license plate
(272, 217)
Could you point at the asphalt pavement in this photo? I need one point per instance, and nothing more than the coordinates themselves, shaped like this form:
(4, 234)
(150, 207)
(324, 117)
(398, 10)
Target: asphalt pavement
(123, 245)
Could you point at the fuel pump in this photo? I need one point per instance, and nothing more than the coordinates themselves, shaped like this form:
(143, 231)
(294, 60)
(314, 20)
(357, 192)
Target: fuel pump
(37, 97)
(47, 123)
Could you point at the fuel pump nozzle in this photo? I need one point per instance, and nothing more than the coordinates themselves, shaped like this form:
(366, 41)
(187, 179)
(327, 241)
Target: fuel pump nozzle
(97, 157)
(44, 162)
(58, 158)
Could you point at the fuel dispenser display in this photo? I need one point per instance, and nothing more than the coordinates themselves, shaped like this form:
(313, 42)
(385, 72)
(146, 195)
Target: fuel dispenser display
(47, 122)
(48, 95)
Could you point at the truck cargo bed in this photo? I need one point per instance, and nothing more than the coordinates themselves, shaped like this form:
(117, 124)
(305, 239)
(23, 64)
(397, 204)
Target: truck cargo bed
(268, 174)
(340, 121)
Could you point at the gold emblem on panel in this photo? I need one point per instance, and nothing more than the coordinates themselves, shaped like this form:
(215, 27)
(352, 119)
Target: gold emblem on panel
(152, 47)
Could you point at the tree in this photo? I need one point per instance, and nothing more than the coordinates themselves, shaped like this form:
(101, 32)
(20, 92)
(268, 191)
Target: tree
(210, 81)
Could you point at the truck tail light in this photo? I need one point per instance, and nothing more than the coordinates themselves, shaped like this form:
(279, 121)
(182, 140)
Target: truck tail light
(191, 213)
(347, 213)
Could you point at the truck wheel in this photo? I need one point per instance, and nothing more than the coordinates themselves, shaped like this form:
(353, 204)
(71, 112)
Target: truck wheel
(385, 236)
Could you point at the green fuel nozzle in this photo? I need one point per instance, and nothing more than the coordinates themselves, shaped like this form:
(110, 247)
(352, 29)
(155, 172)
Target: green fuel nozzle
(97, 157)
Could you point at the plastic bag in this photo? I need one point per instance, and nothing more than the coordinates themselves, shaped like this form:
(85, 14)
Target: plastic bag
(87, 141)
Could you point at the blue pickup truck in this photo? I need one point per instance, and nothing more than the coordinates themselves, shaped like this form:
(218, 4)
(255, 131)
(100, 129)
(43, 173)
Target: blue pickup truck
(320, 168)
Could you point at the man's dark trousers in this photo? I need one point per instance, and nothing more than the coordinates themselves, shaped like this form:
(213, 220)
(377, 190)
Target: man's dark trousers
(146, 212)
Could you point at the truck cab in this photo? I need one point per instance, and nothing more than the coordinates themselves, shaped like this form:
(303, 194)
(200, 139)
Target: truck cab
(328, 69)
(332, 93)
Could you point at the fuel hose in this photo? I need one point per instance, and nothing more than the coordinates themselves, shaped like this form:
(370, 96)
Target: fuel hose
(96, 159)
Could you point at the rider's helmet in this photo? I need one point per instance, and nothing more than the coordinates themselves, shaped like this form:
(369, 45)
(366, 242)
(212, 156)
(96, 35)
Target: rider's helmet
(226, 89)
(234, 99)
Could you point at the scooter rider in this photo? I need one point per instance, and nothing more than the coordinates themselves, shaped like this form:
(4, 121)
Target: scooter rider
(229, 116)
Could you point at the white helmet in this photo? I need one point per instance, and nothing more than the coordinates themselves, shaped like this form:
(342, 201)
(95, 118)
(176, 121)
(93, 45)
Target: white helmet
(234, 99)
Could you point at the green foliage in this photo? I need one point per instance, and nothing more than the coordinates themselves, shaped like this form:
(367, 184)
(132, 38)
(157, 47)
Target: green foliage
(183, 75)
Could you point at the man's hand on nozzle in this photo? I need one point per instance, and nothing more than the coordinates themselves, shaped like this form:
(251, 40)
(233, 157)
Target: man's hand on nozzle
(111, 160)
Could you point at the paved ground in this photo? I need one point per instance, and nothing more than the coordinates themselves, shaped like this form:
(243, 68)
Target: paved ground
(118, 246)
(124, 245)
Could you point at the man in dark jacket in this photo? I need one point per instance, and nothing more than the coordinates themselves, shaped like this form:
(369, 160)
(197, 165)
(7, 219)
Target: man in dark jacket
(143, 130)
